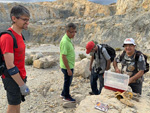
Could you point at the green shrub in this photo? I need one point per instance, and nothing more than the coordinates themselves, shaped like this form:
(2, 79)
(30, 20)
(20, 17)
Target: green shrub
(146, 9)
(148, 58)
(29, 61)
(82, 56)
(28, 46)
(95, 42)
(39, 42)
(118, 49)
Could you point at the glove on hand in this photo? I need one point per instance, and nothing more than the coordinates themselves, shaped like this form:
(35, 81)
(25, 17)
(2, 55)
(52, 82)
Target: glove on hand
(24, 90)
(124, 95)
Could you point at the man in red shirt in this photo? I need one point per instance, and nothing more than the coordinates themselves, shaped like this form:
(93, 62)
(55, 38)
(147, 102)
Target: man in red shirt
(14, 77)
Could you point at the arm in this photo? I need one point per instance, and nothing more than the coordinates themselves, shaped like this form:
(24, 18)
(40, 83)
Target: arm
(107, 57)
(117, 70)
(141, 67)
(9, 59)
(108, 65)
(136, 76)
(91, 62)
(66, 64)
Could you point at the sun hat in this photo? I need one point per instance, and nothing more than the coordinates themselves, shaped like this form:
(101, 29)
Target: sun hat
(89, 46)
(129, 41)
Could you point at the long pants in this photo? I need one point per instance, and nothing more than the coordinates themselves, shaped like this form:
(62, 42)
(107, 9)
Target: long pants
(67, 83)
(93, 80)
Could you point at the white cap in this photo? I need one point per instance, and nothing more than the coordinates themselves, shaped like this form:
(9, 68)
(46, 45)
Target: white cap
(129, 41)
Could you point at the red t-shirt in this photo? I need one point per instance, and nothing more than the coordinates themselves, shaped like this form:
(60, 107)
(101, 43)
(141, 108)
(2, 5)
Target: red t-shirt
(7, 46)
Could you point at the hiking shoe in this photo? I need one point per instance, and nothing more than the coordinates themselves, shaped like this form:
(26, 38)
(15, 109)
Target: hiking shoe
(70, 99)
(61, 96)
(91, 93)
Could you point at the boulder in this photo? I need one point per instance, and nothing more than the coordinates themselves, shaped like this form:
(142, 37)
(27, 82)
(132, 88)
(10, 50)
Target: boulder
(37, 56)
(38, 64)
(69, 105)
(115, 106)
(45, 62)
(82, 68)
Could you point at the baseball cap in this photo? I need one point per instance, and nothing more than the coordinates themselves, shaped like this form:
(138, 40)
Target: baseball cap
(129, 41)
(89, 46)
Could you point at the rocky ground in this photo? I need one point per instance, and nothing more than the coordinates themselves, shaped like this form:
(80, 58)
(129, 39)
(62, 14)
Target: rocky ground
(46, 86)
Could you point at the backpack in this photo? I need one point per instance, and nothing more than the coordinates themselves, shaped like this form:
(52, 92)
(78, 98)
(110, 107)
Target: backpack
(110, 50)
(138, 53)
(2, 62)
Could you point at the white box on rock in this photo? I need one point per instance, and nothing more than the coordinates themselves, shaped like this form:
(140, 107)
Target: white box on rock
(116, 81)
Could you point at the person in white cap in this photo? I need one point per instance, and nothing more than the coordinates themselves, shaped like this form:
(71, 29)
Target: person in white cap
(132, 64)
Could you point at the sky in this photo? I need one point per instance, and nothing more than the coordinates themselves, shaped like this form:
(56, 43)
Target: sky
(104, 2)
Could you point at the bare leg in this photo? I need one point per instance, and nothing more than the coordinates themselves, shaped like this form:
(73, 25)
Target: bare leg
(13, 109)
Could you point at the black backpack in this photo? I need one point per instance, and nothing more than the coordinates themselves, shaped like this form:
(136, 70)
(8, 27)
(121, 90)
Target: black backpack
(138, 53)
(2, 62)
(110, 50)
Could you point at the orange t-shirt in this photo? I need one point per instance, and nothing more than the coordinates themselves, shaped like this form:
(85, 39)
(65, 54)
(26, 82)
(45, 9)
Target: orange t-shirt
(7, 46)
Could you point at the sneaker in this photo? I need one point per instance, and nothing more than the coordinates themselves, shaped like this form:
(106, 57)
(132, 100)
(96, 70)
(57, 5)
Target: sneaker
(61, 96)
(91, 93)
(70, 99)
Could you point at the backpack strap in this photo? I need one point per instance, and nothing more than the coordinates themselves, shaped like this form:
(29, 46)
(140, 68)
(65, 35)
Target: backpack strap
(98, 51)
(23, 37)
(103, 46)
(138, 53)
(10, 33)
(122, 55)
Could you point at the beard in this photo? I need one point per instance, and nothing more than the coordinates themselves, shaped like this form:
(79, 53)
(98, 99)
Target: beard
(25, 27)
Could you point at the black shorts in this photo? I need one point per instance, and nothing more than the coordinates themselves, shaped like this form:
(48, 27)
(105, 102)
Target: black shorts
(14, 96)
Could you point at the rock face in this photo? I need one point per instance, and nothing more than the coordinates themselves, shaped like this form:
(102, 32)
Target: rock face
(104, 24)
(33, 8)
(126, 6)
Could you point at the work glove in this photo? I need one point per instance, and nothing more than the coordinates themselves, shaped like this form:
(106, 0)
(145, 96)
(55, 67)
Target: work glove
(124, 95)
(24, 90)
